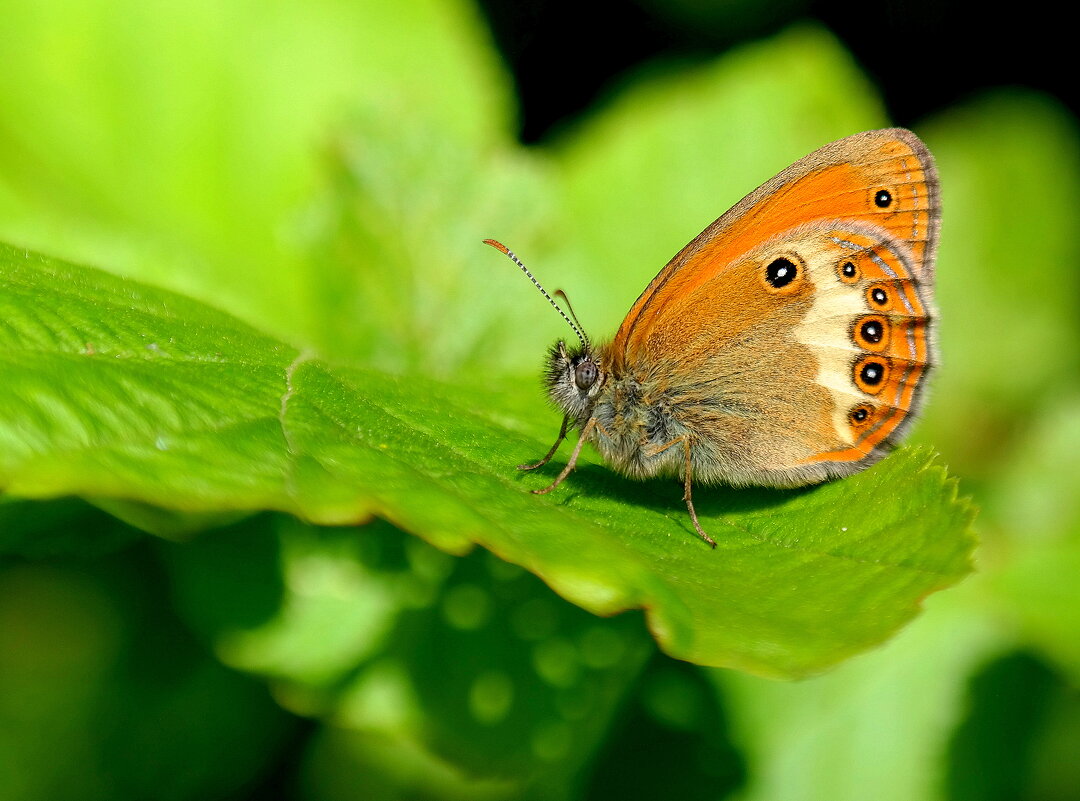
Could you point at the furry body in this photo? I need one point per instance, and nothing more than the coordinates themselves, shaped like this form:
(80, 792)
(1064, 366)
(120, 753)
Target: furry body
(642, 417)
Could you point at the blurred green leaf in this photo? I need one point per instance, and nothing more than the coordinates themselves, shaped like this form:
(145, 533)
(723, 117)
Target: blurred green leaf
(119, 391)
(107, 696)
(176, 141)
(65, 527)
(1008, 280)
(672, 741)
(881, 721)
(1038, 506)
(991, 755)
(1055, 774)
(393, 236)
(467, 670)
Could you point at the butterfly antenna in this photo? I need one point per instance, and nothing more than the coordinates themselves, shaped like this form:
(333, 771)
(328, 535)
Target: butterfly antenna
(573, 323)
(569, 307)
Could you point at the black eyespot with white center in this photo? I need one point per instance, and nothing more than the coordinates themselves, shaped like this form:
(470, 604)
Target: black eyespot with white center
(872, 331)
(879, 296)
(860, 414)
(781, 272)
(882, 199)
(848, 272)
(872, 373)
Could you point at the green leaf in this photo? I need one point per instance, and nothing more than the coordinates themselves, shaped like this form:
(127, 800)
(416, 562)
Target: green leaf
(96, 670)
(1034, 577)
(460, 665)
(883, 721)
(66, 527)
(1010, 165)
(179, 142)
(398, 278)
(118, 391)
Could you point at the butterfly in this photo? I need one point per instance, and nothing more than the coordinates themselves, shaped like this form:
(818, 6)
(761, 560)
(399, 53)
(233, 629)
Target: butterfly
(788, 344)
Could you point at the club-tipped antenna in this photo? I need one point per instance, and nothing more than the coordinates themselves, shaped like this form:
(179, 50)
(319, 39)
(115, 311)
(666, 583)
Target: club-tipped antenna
(573, 323)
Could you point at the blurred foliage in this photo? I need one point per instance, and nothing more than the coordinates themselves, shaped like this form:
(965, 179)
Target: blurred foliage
(259, 158)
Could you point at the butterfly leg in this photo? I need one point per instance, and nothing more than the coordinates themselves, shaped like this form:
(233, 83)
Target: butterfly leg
(589, 426)
(685, 440)
(689, 500)
(549, 454)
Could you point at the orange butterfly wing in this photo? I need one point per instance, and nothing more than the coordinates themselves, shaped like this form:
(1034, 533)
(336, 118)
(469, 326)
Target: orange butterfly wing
(874, 194)
(837, 182)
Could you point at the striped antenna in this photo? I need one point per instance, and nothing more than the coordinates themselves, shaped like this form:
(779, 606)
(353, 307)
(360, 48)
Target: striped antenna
(572, 323)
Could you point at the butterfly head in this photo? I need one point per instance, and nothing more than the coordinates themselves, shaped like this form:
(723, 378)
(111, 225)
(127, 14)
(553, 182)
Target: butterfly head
(574, 378)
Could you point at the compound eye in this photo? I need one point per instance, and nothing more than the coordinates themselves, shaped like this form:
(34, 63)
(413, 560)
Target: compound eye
(585, 375)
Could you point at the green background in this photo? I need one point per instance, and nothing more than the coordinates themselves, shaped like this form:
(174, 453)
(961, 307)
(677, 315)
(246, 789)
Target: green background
(263, 301)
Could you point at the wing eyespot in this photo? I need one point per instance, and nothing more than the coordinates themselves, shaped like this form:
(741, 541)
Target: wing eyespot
(871, 332)
(783, 274)
(848, 272)
(878, 296)
(860, 416)
(871, 374)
